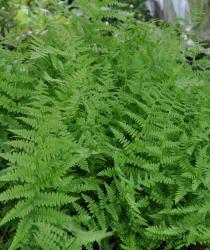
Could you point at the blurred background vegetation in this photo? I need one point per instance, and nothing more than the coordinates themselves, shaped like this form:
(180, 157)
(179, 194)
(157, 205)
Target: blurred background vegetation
(25, 17)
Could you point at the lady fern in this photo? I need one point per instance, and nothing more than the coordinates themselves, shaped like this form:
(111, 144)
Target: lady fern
(106, 140)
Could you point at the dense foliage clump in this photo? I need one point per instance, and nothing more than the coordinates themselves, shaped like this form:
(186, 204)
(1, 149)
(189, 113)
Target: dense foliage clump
(104, 137)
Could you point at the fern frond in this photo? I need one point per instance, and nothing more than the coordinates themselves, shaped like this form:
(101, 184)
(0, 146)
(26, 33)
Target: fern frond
(21, 209)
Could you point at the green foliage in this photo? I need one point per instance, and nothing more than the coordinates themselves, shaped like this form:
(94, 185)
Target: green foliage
(138, 6)
(21, 19)
(104, 137)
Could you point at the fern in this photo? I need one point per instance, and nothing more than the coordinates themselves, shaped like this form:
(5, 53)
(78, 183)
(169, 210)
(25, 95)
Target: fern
(39, 186)
(105, 139)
